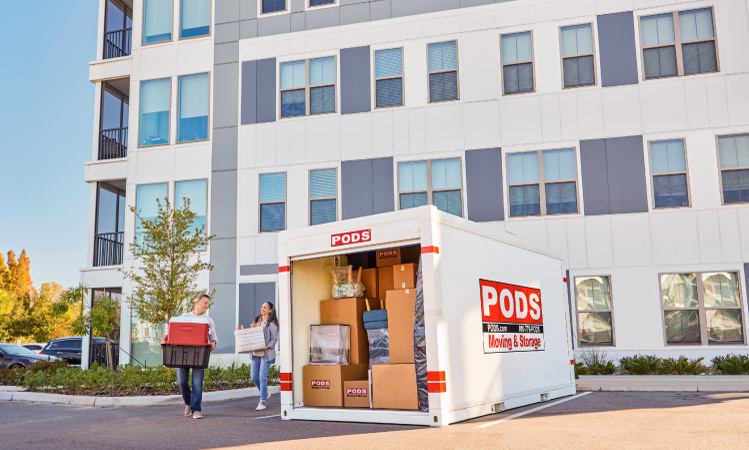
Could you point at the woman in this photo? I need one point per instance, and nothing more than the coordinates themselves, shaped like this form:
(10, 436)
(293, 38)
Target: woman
(263, 359)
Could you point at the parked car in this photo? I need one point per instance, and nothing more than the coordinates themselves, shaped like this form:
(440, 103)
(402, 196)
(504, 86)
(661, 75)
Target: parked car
(14, 356)
(34, 347)
(68, 348)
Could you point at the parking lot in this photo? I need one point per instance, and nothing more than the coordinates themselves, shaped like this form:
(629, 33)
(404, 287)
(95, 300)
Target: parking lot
(593, 420)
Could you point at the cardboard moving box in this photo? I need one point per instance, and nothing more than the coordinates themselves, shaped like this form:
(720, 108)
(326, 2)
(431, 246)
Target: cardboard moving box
(323, 385)
(369, 280)
(384, 282)
(348, 311)
(394, 386)
(404, 276)
(400, 308)
(388, 257)
(356, 394)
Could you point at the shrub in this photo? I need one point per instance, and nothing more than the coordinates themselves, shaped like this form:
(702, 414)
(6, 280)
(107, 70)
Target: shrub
(683, 366)
(731, 365)
(595, 363)
(641, 365)
(14, 377)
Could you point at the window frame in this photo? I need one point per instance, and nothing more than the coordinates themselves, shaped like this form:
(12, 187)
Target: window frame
(701, 309)
(562, 57)
(285, 201)
(308, 89)
(140, 108)
(720, 169)
(686, 172)
(429, 73)
(532, 61)
(207, 207)
(143, 26)
(430, 191)
(308, 6)
(578, 311)
(542, 183)
(402, 77)
(208, 124)
(210, 23)
(260, 12)
(677, 44)
(310, 199)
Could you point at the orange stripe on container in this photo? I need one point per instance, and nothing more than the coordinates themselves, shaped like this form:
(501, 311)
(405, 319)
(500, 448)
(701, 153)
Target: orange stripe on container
(436, 376)
(284, 269)
(286, 386)
(437, 388)
(285, 376)
(430, 249)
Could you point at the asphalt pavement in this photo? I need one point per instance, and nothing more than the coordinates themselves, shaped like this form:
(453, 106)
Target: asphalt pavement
(595, 420)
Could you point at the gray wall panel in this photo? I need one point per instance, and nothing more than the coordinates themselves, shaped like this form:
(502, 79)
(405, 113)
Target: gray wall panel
(618, 54)
(224, 155)
(258, 269)
(297, 22)
(225, 93)
(224, 204)
(268, 26)
(485, 201)
(322, 18)
(246, 302)
(223, 257)
(469, 3)
(249, 92)
(223, 313)
(356, 188)
(626, 175)
(382, 185)
(355, 80)
(594, 177)
(227, 11)
(297, 5)
(265, 292)
(356, 13)
(247, 9)
(226, 32)
(248, 29)
(380, 10)
(266, 90)
(226, 53)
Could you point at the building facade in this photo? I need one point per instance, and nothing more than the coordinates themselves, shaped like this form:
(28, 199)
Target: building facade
(614, 133)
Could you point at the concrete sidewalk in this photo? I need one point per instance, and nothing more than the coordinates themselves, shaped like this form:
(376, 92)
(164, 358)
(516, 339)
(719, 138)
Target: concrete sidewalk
(15, 394)
(652, 383)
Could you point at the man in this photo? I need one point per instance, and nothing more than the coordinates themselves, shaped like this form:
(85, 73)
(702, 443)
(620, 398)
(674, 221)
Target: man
(193, 399)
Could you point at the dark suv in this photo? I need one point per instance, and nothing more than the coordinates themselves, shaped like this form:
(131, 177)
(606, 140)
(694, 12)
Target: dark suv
(68, 348)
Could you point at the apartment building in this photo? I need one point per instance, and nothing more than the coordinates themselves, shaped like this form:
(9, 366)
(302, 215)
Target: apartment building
(615, 133)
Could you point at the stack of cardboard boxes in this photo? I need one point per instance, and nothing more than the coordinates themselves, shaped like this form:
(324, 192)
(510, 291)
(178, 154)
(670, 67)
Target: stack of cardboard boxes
(389, 386)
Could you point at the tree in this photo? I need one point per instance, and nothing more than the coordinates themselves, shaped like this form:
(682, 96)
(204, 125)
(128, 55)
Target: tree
(103, 320)
(166, 264)
(19, 274)
(4, 275)
(44, 322)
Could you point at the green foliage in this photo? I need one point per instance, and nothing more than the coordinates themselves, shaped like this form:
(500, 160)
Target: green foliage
(167, 265)
(595, 363)
(126, 380)
(641, 365)
(683, 366)
(731, 364)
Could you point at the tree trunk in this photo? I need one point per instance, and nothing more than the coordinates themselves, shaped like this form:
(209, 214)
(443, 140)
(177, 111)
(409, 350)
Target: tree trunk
(110, 361)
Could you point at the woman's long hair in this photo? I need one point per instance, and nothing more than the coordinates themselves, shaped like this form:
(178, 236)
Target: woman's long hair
(271, 315)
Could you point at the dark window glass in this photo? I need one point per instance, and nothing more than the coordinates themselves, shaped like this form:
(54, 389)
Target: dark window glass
(525, 200)
(322, 99)
(322, 211)
(413, 200)
(292, 103)
(390, 92)
(735, 186)
(699, 57)
(321, 2)
(443, 86)
(595, 328)
(561, 198)
(724, 326)
(518, 78)
(449, 202)
(670, 190)
(270, 6)
(660, 62)
(579, 71)
(682, 327)
(273, 217)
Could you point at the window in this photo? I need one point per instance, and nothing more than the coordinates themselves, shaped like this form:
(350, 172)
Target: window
(578, 56)
(734, 168)
(157, 21)
(669, 167)
(594, 319)
(195, 192)
(389, 77)
(272, 201)
(313, 3)
(195, 18)
(318, 91)
(192, 110)
(155, 97)
(322, 196)
(271, 6)
(438, 182)
(147, 199)
(702, 308)
(517, 63)
(443, 71)
(542, 182)
(687, 48)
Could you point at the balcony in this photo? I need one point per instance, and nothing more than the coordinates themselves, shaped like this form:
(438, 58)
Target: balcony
(115, 109)
(109, 236)
(118, 43)
(118, 29)
(113, 143)
(108, 249)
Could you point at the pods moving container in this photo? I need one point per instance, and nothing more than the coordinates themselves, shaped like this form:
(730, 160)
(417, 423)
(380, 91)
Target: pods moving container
(496, 316)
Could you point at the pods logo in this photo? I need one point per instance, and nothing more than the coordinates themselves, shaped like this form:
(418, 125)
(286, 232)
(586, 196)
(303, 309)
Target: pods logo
(352, 237)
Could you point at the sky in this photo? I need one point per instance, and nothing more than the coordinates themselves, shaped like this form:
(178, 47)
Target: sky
(46, 133)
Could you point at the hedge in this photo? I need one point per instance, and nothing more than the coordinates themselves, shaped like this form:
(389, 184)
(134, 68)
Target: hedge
(596, 363)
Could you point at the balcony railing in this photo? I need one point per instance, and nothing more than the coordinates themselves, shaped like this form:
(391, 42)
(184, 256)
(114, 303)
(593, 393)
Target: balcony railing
(113, 143)
(108, 249)
(117, 43)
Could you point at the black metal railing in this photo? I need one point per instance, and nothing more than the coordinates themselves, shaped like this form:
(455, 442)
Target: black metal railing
(113, 143)
(99, 353)
(117, 43)
(108, 249)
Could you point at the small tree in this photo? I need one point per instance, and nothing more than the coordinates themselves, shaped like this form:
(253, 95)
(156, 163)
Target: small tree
(167, 265)
(103, 320)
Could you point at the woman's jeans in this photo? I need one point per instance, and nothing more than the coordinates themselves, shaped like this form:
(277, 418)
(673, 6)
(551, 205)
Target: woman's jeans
(193, 399)
(260, 375)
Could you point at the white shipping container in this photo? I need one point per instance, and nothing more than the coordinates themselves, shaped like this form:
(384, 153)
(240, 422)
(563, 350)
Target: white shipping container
(488, 348)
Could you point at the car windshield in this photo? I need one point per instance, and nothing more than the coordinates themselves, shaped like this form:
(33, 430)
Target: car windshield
(16, 350)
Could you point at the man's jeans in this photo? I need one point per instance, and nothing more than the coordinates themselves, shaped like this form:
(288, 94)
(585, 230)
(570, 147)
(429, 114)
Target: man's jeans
(260, 375)
(193, 399)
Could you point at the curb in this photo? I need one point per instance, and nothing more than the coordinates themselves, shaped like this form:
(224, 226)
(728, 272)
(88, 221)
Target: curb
(143, 400)
(653, 383)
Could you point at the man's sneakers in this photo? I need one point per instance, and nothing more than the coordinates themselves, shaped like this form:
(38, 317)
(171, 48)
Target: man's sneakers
(197, 415)
(260, 406)
(188, 411)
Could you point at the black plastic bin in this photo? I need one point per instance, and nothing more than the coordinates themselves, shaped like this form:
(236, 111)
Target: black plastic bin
(184, 356)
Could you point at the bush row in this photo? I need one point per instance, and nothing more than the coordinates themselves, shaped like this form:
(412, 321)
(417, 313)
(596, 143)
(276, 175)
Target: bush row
(57, 377)
(596, 363)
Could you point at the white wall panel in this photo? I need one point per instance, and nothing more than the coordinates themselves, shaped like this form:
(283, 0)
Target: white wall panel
(192, 161)
(444, 127)
(356, 136)
(743, 217)
(401, 140)
(638, 321)
(731, 15)
(532, 231)
(698, 115)
(547, 58)
(297, 197)
(737, 91)
(382, 133)
(550, 118)
(157, 62)
(716, 101)
(266, 249)
(194, 56)
(590, 114)
(154, 165)
(568, 115)
(415, 72)
(663, 106)
(481, 125)
(709, 233)
(515, 15)
(675, 238)
(598, 240)
(631, 240)
(577, 248)
(730, 236)
(246, 251)
(479, 66)
(568, 9)
(416, 131)
(557, 236)
(283, 138)
(247, 204)
(265, 155)
(702, 157)
(297, 141)
(621, 111)
(520, 120)
(323, 139)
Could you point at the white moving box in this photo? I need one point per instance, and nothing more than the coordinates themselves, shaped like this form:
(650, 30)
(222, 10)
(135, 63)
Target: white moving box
(497, 324)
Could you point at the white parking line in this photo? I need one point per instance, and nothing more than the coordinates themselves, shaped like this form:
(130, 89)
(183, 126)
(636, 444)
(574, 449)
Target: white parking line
(267, 417)
(514, 416)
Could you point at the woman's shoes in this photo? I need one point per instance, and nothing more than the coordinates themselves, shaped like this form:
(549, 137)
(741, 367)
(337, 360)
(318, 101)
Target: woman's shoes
(260, 406)
(188, 411)
(197, 415)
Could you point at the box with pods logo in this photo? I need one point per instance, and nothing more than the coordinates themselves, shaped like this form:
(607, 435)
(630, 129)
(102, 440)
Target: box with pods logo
(356, 394)
(512, 317)
(323, 385)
